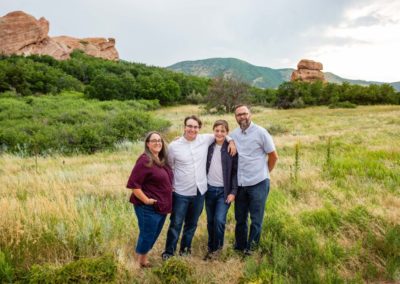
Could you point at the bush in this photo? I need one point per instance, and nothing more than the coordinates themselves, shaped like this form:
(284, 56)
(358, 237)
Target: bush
(345, 104)
(195, 98)
(277, 129)
(175, 270)
(70, 124)
(87, 270)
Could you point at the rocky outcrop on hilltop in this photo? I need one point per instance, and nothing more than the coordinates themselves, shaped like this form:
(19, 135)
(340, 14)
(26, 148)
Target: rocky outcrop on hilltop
(22, 34)
(308, 71)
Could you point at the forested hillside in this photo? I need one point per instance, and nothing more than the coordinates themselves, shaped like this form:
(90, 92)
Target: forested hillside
(98, 78)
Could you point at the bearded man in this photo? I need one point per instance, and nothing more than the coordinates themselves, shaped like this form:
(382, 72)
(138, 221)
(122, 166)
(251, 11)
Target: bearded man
(257, 158)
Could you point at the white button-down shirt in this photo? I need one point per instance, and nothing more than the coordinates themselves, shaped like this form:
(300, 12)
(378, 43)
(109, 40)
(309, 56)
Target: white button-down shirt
(188, 162)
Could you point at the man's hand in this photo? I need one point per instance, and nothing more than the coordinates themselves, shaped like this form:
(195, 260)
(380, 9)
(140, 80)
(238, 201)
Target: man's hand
(232, 148)
(230, 198)
(272, 158)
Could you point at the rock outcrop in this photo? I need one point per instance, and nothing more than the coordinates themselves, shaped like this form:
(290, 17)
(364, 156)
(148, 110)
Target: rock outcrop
(22, 34)
(308, 71)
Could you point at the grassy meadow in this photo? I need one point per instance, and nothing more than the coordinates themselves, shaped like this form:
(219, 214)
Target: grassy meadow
(332, 216)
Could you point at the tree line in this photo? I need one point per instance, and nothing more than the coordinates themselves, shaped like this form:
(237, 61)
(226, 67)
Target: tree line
(225, 93)
(120, 80)
(97, 78)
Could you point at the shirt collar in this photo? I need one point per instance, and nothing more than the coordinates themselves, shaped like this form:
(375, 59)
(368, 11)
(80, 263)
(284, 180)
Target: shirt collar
(248, 129)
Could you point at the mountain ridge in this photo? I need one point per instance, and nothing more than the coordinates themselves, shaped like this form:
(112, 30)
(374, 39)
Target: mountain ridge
(258, 76)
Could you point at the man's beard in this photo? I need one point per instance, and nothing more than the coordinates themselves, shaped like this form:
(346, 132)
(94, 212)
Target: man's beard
(244, 124)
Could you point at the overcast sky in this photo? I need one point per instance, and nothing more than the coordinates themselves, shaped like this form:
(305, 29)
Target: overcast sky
(355, 39)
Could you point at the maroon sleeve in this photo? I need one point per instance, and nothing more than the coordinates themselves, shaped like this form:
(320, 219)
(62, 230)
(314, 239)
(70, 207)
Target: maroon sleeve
(139, 173)
(170, 174)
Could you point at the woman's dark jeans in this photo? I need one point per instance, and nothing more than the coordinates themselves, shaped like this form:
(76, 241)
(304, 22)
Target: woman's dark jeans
(250, 199)
(150, 226)
(216, 209)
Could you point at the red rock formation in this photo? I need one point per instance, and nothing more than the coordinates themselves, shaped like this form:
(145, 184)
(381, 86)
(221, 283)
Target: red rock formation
(98, 47)
(308, 71)
(21, 33)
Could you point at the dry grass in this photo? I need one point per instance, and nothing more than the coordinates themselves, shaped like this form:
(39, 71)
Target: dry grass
(48, 208)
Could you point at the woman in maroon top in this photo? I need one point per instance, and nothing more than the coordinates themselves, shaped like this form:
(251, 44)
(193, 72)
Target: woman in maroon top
(151, 184)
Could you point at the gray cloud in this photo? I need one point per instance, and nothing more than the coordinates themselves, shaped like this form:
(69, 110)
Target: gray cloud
(159, 32)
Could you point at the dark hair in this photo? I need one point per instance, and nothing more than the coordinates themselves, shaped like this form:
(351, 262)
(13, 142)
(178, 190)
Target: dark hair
(238, 106)
(194, 118)
(162, 156)
(222, 122)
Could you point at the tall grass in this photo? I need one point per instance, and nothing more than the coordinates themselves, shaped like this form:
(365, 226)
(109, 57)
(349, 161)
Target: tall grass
(339, 222)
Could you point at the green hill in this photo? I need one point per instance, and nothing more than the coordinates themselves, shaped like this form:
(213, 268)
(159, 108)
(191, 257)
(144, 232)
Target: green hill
(258, 76)
(396, 85)
(262, 77)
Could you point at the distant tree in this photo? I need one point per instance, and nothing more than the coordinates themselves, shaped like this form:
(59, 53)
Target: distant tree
(330, 94)
(3, 78)
(262, 97)
(290, 94)
(225, 93)
(104, 87)
(169, 92)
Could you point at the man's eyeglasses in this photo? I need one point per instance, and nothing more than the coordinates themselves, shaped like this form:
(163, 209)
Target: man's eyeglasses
(242, 114)
(192, 126)
(155, 141)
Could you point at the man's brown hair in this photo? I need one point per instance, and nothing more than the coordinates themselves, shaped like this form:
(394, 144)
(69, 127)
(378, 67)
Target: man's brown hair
(194, 118)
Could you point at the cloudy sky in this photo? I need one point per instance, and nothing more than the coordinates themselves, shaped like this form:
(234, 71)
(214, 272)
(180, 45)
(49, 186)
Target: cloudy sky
(355, 39)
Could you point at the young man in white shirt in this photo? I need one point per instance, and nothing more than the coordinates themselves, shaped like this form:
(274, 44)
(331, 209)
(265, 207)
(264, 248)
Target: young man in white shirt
(187, 156)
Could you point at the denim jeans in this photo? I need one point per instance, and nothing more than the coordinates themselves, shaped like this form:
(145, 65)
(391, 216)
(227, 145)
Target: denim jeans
(185, 209)
(216, 209)
(150, 226)
(250, 199)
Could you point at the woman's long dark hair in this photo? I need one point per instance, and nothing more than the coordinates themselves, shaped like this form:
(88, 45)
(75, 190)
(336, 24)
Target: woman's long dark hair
(162, 156)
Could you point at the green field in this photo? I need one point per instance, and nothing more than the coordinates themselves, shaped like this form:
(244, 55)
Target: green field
(333, 214)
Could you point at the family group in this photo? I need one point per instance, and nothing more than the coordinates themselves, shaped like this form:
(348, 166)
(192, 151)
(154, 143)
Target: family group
(214, 170)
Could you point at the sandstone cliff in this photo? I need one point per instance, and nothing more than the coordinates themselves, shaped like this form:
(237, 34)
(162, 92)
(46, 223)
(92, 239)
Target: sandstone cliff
(308, 71)
(22, 34)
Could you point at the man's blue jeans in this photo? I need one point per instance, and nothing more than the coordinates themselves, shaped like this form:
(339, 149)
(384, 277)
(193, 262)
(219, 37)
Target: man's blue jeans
(216, 209)
(150, 225)
(250, 199)
(185, 209)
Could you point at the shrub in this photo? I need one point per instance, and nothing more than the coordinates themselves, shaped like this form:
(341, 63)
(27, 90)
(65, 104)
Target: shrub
(195, 98)
(277, 129)
(71, 124)
(345, 104)
(86, 270)
(175, 270)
